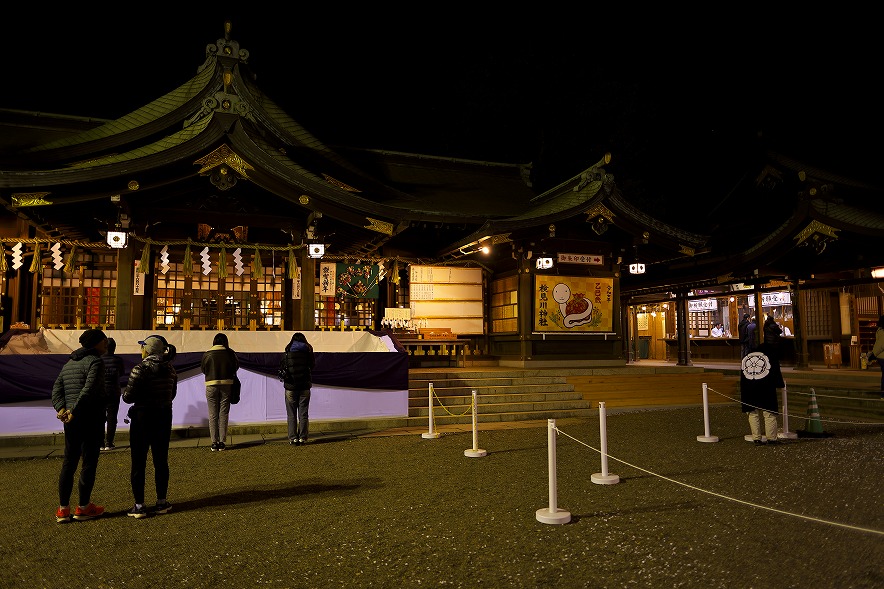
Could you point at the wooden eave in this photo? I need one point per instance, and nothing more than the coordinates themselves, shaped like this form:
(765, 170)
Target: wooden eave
(169, 111)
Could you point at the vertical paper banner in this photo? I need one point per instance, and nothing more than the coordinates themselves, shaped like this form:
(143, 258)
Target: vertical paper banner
(139, 277)
(328, 279)
(296, 285)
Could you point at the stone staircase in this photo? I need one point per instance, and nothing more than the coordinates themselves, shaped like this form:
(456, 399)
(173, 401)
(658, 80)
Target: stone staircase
(502, 395)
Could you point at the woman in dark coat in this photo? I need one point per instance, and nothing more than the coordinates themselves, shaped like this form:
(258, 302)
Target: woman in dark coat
(296, 371)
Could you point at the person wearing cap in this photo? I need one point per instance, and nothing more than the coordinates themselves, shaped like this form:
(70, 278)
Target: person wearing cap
(219, 364)
(79, 398)
(152, 386)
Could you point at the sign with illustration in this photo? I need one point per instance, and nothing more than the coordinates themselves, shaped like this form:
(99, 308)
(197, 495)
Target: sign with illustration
(349, 280)
(573, 304)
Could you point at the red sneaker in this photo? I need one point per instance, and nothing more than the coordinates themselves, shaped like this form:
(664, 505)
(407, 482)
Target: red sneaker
(89, 512)
(63, 515)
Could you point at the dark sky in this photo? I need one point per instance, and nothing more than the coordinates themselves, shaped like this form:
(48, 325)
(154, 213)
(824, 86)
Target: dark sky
(677, 108)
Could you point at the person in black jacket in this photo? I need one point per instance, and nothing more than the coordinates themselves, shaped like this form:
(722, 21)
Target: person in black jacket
(771, 331)
(151, 389)
(760, 377)
(296, 371)
(78, 397)
(219, 364)
(113, 372)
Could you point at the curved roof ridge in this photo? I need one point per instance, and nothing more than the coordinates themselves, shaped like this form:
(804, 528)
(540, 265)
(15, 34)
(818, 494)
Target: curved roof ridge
(849, 215)
(439, 158)
(142, 116)
(645, 219)
(173, 140)
(799, 166)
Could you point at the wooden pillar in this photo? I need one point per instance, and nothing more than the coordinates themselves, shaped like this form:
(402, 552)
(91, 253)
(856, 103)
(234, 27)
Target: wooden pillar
(684, 342)
(526, 300)
(304, 309)
(798, 328)
(123, 313)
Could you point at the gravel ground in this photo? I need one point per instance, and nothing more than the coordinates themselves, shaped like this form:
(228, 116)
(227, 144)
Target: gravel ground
(404, 511)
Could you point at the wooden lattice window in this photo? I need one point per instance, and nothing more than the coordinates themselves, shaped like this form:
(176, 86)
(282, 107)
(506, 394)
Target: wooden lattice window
(505, 305)
(86, 296)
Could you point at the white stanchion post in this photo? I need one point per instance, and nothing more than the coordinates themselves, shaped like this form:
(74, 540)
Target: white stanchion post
(431, 433)
(475, 451)
(603, 478)
(786, 434)
(552, 514)
(706, 437)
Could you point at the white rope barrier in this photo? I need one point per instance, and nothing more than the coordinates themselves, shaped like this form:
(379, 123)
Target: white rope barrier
(838, 421)
(475, 451)
(552, 514)
(603, 478)
(431, 433)
(695, 488)
(707, 436)
(786, 434)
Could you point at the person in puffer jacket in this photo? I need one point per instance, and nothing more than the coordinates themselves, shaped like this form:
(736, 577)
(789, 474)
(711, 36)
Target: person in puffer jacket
(296, 370)
(78, 396)
(113, 372)
(151, 388)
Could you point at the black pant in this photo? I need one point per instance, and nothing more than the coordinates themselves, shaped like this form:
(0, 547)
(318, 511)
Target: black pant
(82, 439)
(110, 418)
(150, 429)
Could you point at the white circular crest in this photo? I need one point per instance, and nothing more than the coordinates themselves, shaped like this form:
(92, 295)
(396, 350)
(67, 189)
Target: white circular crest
(755, 366)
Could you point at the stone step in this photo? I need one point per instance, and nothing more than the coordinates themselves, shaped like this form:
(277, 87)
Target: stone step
(506, 407)
(484, 380)
(496, 397)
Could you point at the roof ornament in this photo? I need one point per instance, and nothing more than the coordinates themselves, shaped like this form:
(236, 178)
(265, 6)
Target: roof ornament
(595, 173)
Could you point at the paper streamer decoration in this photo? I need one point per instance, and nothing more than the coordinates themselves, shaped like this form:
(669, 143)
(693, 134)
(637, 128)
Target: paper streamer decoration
(237, 261)
(57, 258)
(207, 263)
(164, 259)
(16, 256)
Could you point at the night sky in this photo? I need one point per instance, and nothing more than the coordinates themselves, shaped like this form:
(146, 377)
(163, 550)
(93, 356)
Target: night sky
(679, 109)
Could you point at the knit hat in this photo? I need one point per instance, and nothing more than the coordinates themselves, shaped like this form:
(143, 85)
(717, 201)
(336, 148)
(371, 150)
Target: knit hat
(154, 344)
(91, 338)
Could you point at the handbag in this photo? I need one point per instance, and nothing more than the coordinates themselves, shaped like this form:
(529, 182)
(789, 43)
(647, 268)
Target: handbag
(235, 390)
